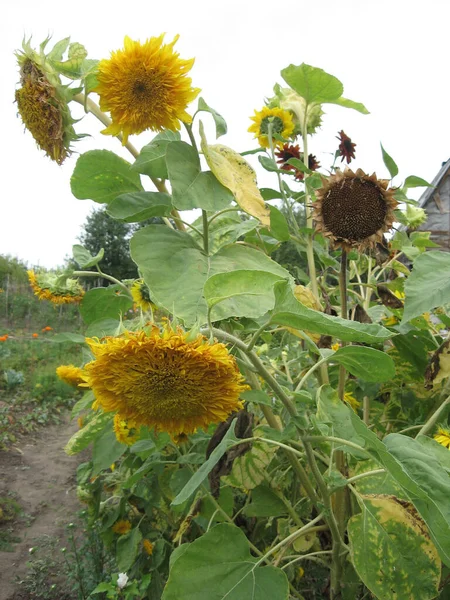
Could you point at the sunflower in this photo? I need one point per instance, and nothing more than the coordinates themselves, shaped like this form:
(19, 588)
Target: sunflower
(443, 437)
(165, 380)
(346, 147)
(126, 430)
(70, 374)
(148, 547)
(289, 151)
(282, 124)
(141, 295)
(121, 527)
(59, 290)
(351, 401)
(144, 86)
(354, 209)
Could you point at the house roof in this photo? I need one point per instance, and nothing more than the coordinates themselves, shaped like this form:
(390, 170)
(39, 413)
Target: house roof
(428, 193)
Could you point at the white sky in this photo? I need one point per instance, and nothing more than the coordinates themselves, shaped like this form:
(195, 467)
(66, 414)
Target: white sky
(391, 55)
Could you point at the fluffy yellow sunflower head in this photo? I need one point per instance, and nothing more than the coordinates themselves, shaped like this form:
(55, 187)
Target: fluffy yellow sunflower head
(70, 374)
(352, 401)
(126, 430)
(165, 379)
(141, 295)
(144, 86)
(148, 547)
(354, 209)
(57, 289)
(282, 124)
(443, 437)
(121, 527)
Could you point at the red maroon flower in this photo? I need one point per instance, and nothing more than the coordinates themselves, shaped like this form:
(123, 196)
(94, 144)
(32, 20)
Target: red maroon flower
(290, 151)
(346, 147)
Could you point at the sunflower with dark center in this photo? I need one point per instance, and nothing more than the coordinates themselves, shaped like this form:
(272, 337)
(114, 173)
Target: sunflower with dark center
(141, 295)
(289, 151)
(280, 120)
(354, 210)
(164, 380)
(346, 148)
(145, 86)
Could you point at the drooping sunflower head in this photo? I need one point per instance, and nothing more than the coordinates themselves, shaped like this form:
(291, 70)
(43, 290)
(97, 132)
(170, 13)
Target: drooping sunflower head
(70, 374)
(442, 436)
(346, 147)
(165, 379)
(42, 102)
(126, 430)
(145, 86)
(288, 99)
(57, 289)
(354, 209)
(282, 124)
(141, 295)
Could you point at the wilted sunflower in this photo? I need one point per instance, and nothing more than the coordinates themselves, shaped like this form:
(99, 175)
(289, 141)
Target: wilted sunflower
(289, 151)
(282, 124)
(70, 374)
(144, 86)
(352, 401)
(443, 437)
(346, 147)
(165, 380)
(57, 289)
(141, 295)
(126, 430)
(354, 209)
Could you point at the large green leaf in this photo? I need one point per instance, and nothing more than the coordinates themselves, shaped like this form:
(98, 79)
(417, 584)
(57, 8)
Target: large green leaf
(178, 286)
(392, 552)
(252, 289)
(152, 158)
(192, 188)
(346, 103)
(428, 286)
(84, 258)
(139, 206)
(104, 303)
(106, 450)
(101, 175)
(127, 548)
(249, 470)
(264, 503)
(219, 566)
(389, 162)
(313, 84)
(366, 363)
(290, 312)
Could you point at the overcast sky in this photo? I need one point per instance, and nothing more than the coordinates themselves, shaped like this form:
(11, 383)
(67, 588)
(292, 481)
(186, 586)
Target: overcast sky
(391, 55)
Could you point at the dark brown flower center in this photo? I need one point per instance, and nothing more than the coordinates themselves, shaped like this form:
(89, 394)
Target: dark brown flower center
(354, 209)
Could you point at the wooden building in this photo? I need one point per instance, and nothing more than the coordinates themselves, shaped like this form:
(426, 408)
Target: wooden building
(436, 203)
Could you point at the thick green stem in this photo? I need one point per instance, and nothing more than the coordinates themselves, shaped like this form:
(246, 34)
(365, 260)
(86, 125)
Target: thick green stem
(100, 273)
(344, 315)
(431, 422)
(205, 232)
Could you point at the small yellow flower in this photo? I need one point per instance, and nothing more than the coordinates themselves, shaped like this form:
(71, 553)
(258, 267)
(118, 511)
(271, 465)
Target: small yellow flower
(351, 401)
(126, 430)
(141, 295)
(148, 547)
(390, 321)
(112, 467)
(121, 527)
(335, 347)
(145, 86)
(443, 437)
(300, 572)
(70, 374)
(282, 124)
(399, 295)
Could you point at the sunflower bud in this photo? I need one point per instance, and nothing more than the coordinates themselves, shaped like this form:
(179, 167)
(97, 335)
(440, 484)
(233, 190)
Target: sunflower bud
(289, 100)
(415, 216)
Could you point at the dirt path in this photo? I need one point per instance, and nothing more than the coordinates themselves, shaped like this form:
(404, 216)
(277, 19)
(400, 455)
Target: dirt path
(41, 477)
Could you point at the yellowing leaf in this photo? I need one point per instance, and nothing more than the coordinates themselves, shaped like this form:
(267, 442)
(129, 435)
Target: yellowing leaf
(238, 176)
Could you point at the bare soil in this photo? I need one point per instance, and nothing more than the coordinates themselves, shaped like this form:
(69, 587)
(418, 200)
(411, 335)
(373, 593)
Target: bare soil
(42, 479)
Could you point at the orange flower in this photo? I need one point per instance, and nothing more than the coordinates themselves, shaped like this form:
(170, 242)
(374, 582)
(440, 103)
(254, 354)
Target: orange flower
(44, 329)
(3, 338)
(35, 335)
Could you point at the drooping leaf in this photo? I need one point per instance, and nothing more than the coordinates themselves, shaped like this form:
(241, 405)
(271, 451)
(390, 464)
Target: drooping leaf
(389, 162)
(192, 188)
(313, 84)
(219, 566)
(391, 550)
(366, 363)
(139, 206)
(82, 438)
(413, 181)
(103, 303)
(221, 126)
(249, 469)
(428, 286)
(237, 175)
(152, 158)
(101, 175)
(84, 258)
(346, 103)
(290, 312)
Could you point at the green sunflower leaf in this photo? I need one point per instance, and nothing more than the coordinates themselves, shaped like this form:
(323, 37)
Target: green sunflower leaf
(219, 565)
(152, 158)
(221, 126)
(313, 84)
(127, 549)
(82, 438)
(192, 188)
(104, 303)
(346, 103)
(139, 206)
(84, 258)
(101, 175)
(413, 181)
(366, 363)
(265, 503)
(106, 450)
(391, 550)
(389, 162)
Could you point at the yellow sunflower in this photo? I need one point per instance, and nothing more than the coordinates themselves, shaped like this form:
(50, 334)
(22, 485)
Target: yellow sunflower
(165, 379)
(121, 527)
(70, 374)
(144, 86)
(351, 401)
(443, 437)
(141, 295)
(354, 210)
(282, 124)
(126, 430)
(49, 286)
(148, 547)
